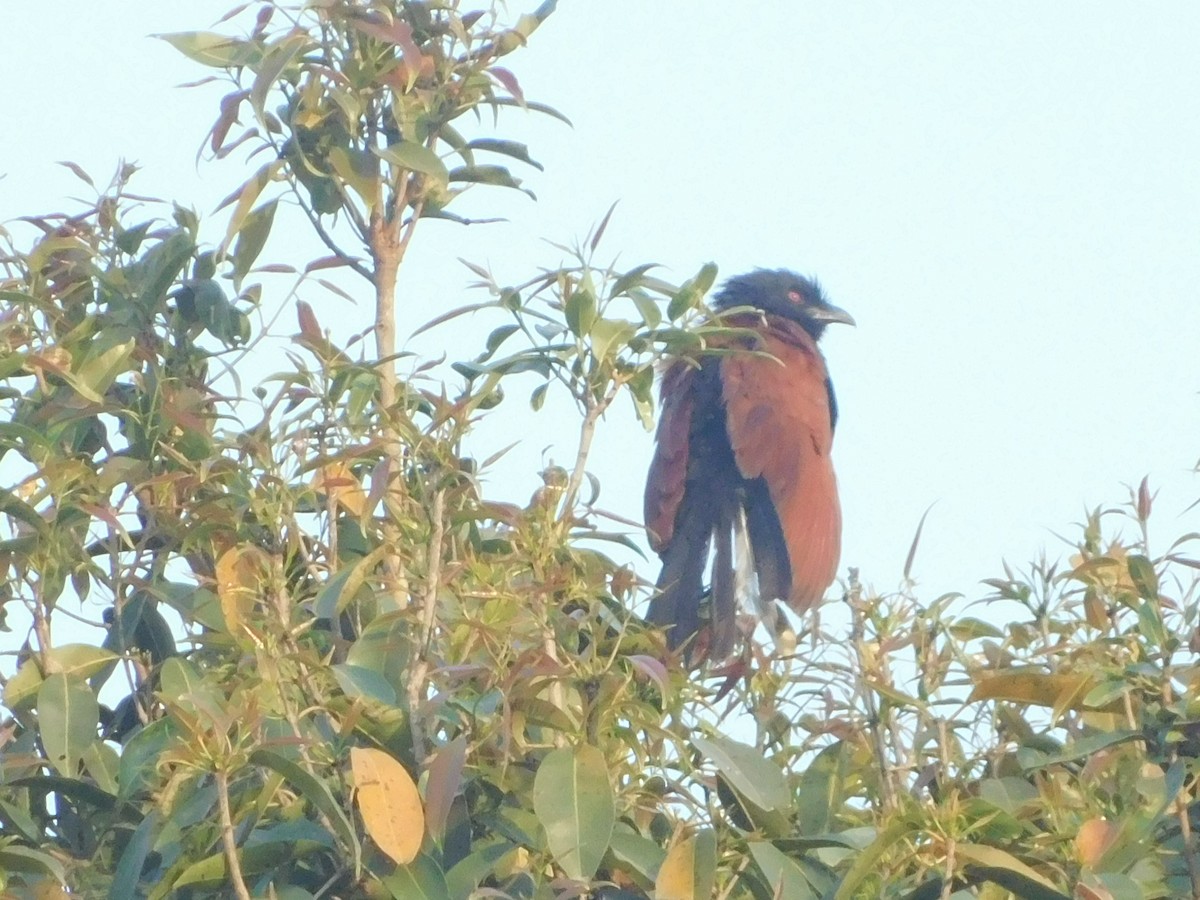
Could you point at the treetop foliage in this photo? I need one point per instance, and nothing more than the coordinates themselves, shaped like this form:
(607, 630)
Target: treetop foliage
(327, 664)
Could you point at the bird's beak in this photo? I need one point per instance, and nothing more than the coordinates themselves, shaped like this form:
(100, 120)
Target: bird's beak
(829, 315)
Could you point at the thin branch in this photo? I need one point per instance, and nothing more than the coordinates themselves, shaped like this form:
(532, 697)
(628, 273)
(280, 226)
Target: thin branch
(433, 579)
(232, 863)
(587, 431)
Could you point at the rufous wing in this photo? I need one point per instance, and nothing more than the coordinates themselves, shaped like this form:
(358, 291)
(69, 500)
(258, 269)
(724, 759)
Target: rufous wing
(778, 418)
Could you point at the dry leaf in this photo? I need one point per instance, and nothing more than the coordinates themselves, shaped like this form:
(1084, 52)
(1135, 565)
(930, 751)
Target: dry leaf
(240, 573)
(389, 803)
(337, 481)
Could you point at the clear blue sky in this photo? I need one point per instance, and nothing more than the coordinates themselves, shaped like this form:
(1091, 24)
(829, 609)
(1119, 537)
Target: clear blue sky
(1006, 196)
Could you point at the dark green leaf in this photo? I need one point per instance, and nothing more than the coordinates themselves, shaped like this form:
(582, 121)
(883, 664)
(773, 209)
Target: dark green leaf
(315, 792)
(574, 802)
(580, 311)
(133, 858)
(513, 149)
(497, 175)
(421, 879)
(252, 237)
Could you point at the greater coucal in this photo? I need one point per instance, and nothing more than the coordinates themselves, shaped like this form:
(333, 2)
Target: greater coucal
(743, 455)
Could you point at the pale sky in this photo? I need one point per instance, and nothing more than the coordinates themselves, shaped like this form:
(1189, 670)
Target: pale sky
(1005, 196)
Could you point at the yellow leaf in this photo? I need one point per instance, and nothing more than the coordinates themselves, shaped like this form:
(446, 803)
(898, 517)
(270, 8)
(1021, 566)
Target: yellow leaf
(335, 480)
(389, 803)
(240, 573)
(1058, 690)
(687, 871)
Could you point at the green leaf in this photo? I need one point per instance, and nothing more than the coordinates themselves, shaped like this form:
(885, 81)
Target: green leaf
(573, 800)
(683, 300)
(649, 310)
(22, 689)
(12, 505)
(344, 584)
(96, 374)
(252, 237)
(749, 772)
(638, 855)
(359, 170)
(141, 752)
(359, 682)
(705, 277)
(820, 790)
(161, 266)
(211, 49)
(968, 628)
(864, 863)
(609, 336)
(1009, 794)
(415, 158)
(68, 716)
(247, 195)
(1141, 570)
(580, 311)
(1084, 746)
(79, 661)
(133, 858)
(784, 876)
(514, 149)
(276, 58)
(15, 858)
(102, 763)
(497, 337)
(1009, 872)
(497, 175)
(315, 792)
(421, 879)
(538, 398)
(485, 856)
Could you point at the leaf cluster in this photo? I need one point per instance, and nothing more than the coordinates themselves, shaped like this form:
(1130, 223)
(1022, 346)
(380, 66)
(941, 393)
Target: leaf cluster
(285, 641)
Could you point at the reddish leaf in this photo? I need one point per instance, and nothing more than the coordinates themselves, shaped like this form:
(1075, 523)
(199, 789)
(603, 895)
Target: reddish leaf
(509, 80)
(445, 780)
(309, 326)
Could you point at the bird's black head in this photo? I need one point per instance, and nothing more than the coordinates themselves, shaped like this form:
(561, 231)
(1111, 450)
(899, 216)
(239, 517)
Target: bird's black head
(782, 293)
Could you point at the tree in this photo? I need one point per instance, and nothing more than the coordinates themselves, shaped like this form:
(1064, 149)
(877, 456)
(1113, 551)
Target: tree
(333, 666)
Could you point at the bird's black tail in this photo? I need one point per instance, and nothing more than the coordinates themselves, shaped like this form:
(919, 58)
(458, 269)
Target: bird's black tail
(681, 583)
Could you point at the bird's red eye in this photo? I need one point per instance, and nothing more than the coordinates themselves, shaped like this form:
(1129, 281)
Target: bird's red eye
(796, 297)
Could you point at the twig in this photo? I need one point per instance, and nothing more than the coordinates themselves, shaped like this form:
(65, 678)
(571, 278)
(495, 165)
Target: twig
(433, 578)
(587, 431)
(227, 839)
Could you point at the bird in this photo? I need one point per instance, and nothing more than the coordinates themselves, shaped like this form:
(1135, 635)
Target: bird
(742, 466)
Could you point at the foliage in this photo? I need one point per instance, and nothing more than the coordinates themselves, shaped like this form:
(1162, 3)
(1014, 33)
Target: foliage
(330, 665)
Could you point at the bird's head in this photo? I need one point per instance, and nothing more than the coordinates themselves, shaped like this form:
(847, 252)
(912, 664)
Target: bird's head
(782, 293)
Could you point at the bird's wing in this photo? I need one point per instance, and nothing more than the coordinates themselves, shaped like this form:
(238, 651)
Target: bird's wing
(668, 471)
(779, 423)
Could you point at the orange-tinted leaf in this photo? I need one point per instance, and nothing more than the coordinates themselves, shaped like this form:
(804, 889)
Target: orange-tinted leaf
(445, 780)
(1057, 690)
(389, 803)
(240, 573)
(688, 871)
(1093, 840)
(337, 481)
